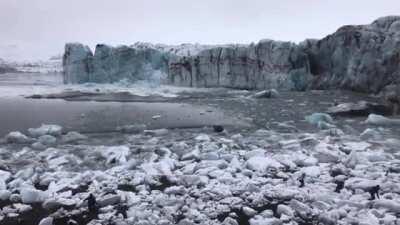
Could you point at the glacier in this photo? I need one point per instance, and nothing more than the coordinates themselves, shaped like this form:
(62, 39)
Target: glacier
(356, 57)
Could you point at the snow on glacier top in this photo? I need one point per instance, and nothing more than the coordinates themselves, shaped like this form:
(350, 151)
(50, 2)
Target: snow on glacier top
(185, 49)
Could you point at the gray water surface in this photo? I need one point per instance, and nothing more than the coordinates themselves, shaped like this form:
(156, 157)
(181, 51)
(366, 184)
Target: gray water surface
(97, 117)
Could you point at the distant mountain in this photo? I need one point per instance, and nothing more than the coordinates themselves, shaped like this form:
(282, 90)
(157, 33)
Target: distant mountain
(5, 68)
(53, 65)
(47, 66)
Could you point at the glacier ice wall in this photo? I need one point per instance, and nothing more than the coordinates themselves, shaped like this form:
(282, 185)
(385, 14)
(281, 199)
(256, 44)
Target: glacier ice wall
(363, 58)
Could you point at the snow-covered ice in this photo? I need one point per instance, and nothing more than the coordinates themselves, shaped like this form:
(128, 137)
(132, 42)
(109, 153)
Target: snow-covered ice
(194, 176)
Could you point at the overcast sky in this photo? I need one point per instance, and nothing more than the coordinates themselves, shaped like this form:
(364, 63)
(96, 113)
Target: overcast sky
(31, 29)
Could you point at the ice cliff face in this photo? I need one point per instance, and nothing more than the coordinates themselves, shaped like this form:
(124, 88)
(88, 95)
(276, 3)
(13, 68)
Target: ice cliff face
(268, 64)
(362, 58)
(77, 63)
(111, 64)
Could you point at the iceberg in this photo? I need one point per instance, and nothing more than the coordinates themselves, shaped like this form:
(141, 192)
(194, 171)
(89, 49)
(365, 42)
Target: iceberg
(379, 120)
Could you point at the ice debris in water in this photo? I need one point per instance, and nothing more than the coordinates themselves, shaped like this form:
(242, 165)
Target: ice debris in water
(132, 129)
(47, 221)
(17, 137)
(47, 140)
(379, 120)
(49, 129)
(73, 137)
(272, 93)
(371, 133)
(322, 120)
(115, 154)
(198, 177)
(31, 195)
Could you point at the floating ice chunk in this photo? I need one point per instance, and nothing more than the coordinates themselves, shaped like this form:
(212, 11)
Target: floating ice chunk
(325, 126)
(367, 218)
(116, 154)
(209, 156)
(235, 164)
(73, 137)
(316, 118)
(378, 156)
(180, 148)
(150, 169)
(300, 208)
(361, 183)
(163, 167)
(54, 163)
(16, 137)
(249, 211)
(311, 171)
(285, 127)
(4, 195)
(263, 132)
(51, 204)
(153, 141)
(15, 198)
(237, 137)
(290, 144)
(360, 108)
(38, 146)
(4, 176)
(261, 164)
(203, 138)
(379, 120)
(206, 164)
(109, 199)
(256, 152)
(195, 154)
(155, 117)
(157, 132)
(284, 210)
(267, 213)
(194, 180)
(393, 142)
(327, 218)
(30, 195)
(229, 221)
(50, 129)
(390, 205)
(357, 146)
(12, 214)
(48, 140)
(46, 221)
(286, 160)
(175, 190)
(326, 153)
(355, 158)
(259, 220)
(132, 129)
(272, 93)
(22, 207)
(304, 160)
(370, 133)
(54, 204)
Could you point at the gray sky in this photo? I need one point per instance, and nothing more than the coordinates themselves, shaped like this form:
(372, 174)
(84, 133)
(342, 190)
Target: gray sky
(32, 29)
